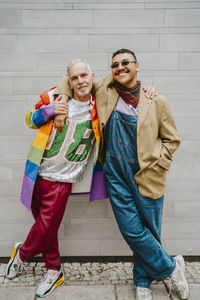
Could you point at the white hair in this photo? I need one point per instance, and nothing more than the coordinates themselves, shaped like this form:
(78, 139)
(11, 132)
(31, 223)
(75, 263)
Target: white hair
(72, 62)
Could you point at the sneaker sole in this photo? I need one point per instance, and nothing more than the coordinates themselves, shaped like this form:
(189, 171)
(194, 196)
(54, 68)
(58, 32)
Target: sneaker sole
(14, 252)
(57, 283)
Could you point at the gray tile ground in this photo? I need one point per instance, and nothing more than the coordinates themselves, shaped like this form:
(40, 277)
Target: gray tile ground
(90, 281)
(125, 292)
(96, 292)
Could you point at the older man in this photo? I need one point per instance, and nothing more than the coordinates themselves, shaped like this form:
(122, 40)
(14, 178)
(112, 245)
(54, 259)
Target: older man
(55, 161)
(139, 137)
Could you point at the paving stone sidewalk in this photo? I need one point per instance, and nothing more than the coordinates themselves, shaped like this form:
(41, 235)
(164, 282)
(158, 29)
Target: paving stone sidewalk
(85, 280)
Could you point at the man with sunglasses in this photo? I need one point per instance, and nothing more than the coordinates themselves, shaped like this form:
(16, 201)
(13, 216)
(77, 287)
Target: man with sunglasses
(139, 137)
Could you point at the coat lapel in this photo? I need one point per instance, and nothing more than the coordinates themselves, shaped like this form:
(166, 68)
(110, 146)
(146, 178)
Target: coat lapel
(144, 105)
(112, 95)
(112, 100)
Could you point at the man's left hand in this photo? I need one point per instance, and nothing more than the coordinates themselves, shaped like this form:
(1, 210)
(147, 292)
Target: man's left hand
(150, 91)
(59, 122)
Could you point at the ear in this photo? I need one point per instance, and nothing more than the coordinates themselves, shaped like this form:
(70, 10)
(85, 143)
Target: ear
(93, 77)
(137, 67)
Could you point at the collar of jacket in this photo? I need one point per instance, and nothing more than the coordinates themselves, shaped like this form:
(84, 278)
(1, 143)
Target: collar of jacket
(144, 106)
(144, 102)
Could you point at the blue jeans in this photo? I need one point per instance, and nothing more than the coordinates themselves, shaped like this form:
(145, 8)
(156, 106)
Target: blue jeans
(139, 218)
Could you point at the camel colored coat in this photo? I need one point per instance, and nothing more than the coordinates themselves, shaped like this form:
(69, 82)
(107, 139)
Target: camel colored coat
(157, 136)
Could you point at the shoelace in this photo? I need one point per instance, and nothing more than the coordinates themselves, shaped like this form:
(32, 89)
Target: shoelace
(48, 274)
(168, 289)
(179, 285)
(45, 277)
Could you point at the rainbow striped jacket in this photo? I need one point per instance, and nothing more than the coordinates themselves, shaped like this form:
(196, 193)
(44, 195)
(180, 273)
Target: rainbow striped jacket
(42, 118)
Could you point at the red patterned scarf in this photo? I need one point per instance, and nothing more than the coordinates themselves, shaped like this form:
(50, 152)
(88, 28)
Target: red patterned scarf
(130, 96)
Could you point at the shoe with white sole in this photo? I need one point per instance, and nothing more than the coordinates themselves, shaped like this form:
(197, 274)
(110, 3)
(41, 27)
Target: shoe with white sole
(178, 279)
(143, 293)
(52, 279)
(14, 262)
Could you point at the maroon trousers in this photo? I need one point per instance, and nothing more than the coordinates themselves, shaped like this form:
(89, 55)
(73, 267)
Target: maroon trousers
(48, 206)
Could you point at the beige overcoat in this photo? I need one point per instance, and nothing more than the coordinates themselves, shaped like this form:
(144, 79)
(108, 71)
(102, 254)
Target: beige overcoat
(157, 136)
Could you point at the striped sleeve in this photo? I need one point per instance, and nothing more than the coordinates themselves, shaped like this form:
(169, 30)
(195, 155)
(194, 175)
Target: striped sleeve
(37, 117)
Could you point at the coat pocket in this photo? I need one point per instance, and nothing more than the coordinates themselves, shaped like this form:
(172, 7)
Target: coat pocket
(151, 181)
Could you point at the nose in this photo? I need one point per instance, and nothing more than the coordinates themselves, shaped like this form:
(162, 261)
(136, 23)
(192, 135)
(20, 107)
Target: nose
(119, 69)
(120, 66)
(80, 80)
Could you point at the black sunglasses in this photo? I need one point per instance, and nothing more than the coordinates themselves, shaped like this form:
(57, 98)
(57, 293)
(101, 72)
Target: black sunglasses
(123, 63)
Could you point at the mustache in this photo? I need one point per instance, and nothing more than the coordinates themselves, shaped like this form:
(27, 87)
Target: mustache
(82, 85)
(121, 71)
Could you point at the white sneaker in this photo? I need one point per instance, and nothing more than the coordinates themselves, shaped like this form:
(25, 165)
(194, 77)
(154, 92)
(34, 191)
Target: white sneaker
(178, 279)
(52, 279)
(14, 262)
(143, 293)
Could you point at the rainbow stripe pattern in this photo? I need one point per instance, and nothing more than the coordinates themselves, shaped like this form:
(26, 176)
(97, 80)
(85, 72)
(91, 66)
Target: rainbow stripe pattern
(41, 118)
(37, 118)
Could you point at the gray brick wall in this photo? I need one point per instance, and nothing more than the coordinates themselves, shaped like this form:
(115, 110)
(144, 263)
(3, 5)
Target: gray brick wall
(37, 38)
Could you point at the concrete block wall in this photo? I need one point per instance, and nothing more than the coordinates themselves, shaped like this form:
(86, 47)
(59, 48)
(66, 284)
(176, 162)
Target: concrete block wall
(37, 38)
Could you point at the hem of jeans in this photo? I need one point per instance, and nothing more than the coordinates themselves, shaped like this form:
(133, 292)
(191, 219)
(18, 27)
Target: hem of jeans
(142, 284)
(166, 274)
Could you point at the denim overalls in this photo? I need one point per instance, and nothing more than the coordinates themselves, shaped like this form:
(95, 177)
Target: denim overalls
(138, 218)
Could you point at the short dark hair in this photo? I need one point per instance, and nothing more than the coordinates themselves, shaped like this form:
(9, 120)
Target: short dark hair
(124, 51)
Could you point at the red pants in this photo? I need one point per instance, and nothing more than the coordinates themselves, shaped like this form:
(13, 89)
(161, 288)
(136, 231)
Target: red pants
(48, 206)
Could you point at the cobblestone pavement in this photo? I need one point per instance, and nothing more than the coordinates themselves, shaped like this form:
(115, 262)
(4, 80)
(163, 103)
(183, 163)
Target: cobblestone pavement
(119, 273)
